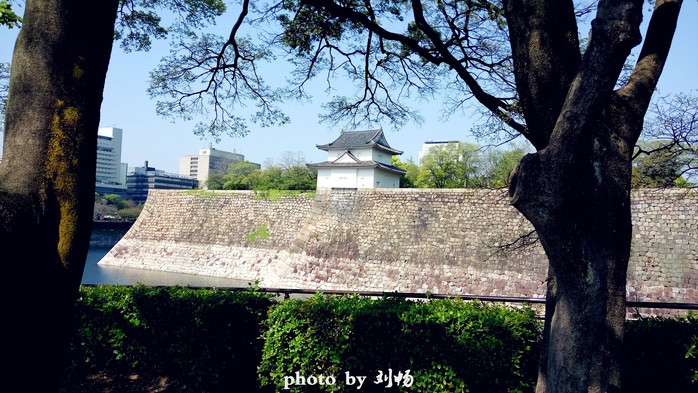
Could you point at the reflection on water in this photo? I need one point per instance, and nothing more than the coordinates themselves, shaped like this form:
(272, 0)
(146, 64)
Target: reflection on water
(97, 274)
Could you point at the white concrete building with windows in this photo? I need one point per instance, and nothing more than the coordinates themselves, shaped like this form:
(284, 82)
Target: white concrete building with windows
(110, 171)
(358, 159)
(207, 162)
(142, 179)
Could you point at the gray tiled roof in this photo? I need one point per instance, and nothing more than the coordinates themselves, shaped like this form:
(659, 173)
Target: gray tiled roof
(356, 164)
(360, 139)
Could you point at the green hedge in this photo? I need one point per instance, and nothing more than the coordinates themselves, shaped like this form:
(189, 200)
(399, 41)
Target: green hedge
(221, 341)
(448, 345)
(203, 338)
(658, 353)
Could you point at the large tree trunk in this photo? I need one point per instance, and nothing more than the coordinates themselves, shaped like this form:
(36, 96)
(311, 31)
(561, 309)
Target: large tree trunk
(576, 189)
(47, 177)
(586, 234)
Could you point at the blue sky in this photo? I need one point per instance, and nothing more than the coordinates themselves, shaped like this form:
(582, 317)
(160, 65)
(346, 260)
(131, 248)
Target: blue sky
(161, 142)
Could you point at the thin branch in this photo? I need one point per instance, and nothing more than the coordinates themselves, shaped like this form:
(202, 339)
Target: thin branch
(490, 102)
(440, 56)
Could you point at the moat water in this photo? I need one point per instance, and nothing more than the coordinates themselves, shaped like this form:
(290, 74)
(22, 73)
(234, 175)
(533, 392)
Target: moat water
(103, 275)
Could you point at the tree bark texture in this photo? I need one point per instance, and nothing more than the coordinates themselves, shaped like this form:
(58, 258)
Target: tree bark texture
(47, 177)
(576, 189)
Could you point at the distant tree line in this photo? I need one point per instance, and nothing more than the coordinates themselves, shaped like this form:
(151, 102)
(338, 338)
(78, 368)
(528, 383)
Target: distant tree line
(658, 163)
(460, 165)
(454, 165)
(112, 206)
(667, 156)
(288, 173)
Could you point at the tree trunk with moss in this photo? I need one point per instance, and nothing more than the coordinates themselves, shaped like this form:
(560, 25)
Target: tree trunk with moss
(47, 177)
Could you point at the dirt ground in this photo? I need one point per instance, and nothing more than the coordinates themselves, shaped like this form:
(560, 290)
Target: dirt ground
(105, 382)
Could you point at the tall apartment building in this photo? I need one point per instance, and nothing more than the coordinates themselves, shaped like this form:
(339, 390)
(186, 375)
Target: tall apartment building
(110, 171)
(208, 161)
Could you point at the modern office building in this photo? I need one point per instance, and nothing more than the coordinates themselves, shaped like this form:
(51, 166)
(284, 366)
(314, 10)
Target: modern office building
(358, 159)
(110, 171)
(207, 162)
(142, 179)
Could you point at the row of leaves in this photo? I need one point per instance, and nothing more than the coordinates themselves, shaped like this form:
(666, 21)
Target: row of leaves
(448, 345)
(216, 341)
(207, 339)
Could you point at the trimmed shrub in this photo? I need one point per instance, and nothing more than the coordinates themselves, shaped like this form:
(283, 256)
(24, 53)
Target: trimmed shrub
(208, 339)
(217, 340)
(447, 345)
(657, 353)
(108, 331)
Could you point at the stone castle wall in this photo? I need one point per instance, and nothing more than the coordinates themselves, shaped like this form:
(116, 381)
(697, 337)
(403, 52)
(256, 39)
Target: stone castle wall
(406, 240)
(207, 233)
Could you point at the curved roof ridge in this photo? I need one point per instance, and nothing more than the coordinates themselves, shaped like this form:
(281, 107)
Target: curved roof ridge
(360, 139)
(378, 133)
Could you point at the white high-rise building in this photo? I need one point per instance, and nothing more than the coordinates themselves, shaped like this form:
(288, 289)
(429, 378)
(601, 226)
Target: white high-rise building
(110, 171)
(208, 161)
